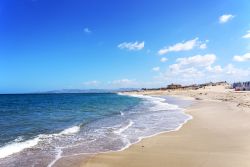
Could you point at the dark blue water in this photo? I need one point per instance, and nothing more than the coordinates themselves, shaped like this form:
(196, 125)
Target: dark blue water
(39, 129)
(29, 115)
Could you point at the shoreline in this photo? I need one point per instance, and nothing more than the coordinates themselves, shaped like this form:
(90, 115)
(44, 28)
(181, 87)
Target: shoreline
(186, 146)
(78, 159)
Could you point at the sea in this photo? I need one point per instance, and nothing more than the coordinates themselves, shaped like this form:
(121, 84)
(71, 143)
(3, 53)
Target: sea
(36, 130)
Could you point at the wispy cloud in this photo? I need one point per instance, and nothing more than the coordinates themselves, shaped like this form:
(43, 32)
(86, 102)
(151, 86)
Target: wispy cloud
(247, 35)
(242, 58)
(132, 45)
(123, 83)
(156, 68)
(91, 83)
(163, 59)
(183, 46)
(87, 30)
(225, 18)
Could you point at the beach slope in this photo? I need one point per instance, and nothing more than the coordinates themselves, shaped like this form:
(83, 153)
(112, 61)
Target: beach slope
(217, 136)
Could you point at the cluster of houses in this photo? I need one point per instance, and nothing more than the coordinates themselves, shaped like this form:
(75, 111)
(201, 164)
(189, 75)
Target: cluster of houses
(241, 86)
(192, 87)
(195, 86)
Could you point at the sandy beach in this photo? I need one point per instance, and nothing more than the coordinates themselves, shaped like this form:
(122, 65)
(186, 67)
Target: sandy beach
(88, 83)
(218, 135)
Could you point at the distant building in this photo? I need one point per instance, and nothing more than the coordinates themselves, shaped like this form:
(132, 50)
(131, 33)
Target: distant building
(174, 86)
(206, 84)
(192, 87)
(222, 83)
(241, 86)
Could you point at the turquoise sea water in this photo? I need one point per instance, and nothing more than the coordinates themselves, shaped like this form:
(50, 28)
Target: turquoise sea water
(39, 129)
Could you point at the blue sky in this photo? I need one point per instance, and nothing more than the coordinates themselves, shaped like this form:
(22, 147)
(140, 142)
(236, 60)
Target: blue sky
(56, 44)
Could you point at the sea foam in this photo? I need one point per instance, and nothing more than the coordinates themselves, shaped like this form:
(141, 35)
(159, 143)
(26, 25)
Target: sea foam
(70, 131)
(160, 103)
(122, 129)
(16, 147)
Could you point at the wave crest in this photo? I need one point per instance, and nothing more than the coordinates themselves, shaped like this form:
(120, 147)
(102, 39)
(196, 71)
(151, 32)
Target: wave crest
(17, 147)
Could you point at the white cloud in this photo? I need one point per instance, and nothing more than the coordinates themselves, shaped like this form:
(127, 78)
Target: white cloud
(132, 45)
(192, 67)
(215, 69)
(198, 60)
(231, 70)
(225, 18)
(247, 35)
(185, 72)
(164, 59)
(243, 58)
(183, 46)
(188, 45)
(200, 69)
(191, 72)
(87, 30)
(203, 46)
(156, 69)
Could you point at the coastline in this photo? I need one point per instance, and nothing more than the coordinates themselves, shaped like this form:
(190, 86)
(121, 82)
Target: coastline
(217, 136)
(177, 103)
